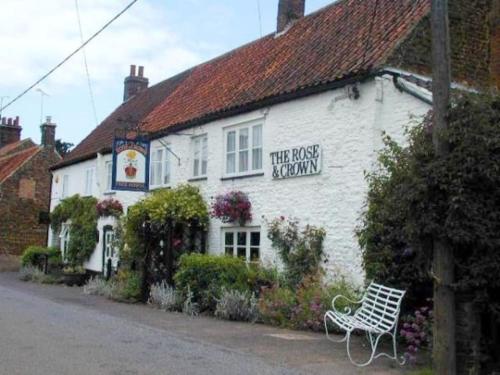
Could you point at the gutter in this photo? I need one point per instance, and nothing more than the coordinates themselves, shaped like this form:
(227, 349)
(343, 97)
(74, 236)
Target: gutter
(411, 88)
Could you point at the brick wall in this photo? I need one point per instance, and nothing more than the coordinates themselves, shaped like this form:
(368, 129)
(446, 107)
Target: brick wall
(472, 38)
(23, 196)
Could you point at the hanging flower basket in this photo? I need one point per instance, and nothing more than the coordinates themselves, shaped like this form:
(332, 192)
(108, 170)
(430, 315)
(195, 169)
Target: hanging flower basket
(109, 207)
(232, 207)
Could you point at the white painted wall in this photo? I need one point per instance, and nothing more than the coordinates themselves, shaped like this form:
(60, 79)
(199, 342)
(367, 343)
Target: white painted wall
(349, 132)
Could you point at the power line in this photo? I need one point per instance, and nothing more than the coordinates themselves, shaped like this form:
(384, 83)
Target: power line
(89, 82)
(70, 55)
(260, 17)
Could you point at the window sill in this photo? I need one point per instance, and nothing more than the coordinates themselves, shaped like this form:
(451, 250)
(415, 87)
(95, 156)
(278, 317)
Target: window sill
(195, 179)
(238, 177)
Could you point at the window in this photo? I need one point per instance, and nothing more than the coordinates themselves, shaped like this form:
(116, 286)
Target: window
(109, 175)
(89, 181)
(242, 242)
(65, 183)
(160, 168)
(244, 150)
(200, 156)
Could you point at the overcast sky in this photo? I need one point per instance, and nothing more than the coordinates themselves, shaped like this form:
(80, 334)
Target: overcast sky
(166, 36)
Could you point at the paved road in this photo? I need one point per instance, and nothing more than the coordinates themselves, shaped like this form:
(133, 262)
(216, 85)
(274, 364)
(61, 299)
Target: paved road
(58, 330)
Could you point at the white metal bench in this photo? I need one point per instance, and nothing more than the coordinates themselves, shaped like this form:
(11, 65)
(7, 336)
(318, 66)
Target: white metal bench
(378, 315)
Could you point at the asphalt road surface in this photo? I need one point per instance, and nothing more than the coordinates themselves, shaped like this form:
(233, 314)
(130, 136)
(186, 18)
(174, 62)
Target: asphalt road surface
(52, 330)
(39, 336)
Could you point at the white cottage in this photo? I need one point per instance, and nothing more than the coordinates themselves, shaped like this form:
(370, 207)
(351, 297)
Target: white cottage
(322, 88)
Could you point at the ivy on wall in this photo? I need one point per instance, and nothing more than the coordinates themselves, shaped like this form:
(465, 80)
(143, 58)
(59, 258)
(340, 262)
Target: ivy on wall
(80, 213)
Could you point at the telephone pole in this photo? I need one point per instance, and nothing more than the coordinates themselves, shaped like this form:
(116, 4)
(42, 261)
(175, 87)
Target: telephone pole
(444, 348)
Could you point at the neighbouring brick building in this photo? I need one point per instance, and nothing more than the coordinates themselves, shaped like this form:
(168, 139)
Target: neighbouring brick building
(25, 181)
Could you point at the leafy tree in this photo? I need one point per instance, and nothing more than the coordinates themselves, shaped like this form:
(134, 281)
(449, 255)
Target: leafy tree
(63, 148)
(414, 196)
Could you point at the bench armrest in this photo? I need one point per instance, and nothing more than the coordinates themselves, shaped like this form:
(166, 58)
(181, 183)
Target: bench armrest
(347, 310)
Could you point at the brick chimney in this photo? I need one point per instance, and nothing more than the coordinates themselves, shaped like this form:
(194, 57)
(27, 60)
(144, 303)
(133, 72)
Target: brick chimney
(48, 129)
(495, 43)
(289, 11)
(134, 83)
(10, 131)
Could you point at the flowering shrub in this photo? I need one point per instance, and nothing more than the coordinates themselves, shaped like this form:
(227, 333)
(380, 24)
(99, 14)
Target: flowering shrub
(314, 299)
(232, 207)
(276, 305)
(109, 207)
(417, 332)
(300, 251)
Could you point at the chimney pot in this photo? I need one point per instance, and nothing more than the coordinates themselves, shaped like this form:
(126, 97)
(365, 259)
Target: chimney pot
(48, 133)
(10, 131)
(134, 84)
(289, 11)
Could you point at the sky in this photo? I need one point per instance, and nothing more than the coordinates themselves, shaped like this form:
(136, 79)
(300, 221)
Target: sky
(165, 36)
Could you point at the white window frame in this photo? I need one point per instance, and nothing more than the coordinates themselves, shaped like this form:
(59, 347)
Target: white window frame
(248, 246)
(251, 149)
(199, 152)
(65, 186)
(108, 168)
(165, 168)
(89, 181)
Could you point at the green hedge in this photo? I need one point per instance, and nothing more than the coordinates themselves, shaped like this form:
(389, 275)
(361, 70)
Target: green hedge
(206, 275)
(34, 256)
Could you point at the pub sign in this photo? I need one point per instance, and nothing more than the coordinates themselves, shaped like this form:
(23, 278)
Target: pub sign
(130, 164)
(296, 161)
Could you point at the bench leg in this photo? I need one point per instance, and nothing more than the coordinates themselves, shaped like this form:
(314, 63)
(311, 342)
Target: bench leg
(329, 337)
(373, 345)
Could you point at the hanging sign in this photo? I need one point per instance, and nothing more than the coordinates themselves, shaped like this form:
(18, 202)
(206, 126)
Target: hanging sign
(296, 162)
(130, 164)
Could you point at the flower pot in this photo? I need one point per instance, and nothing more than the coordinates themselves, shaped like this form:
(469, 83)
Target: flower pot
(71, 279)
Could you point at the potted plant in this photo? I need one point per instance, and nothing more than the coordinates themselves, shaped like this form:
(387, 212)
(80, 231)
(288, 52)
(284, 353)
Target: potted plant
(232, 207)
(109, 208)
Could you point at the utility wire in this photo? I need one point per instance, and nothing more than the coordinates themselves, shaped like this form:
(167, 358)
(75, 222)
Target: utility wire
(70, 55)
(260, 17)
(91, 91)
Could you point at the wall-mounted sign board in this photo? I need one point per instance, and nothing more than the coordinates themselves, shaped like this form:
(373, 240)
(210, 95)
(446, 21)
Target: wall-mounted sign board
(130, 164)
(296, 162)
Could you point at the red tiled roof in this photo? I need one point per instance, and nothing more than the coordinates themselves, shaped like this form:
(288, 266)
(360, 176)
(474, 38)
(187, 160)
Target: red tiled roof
(10, 163)
(348, 39)
(16, 146)
(341, 40)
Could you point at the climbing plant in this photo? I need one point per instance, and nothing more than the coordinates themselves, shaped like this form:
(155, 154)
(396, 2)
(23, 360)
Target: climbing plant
(81, 215)
(161, 227)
